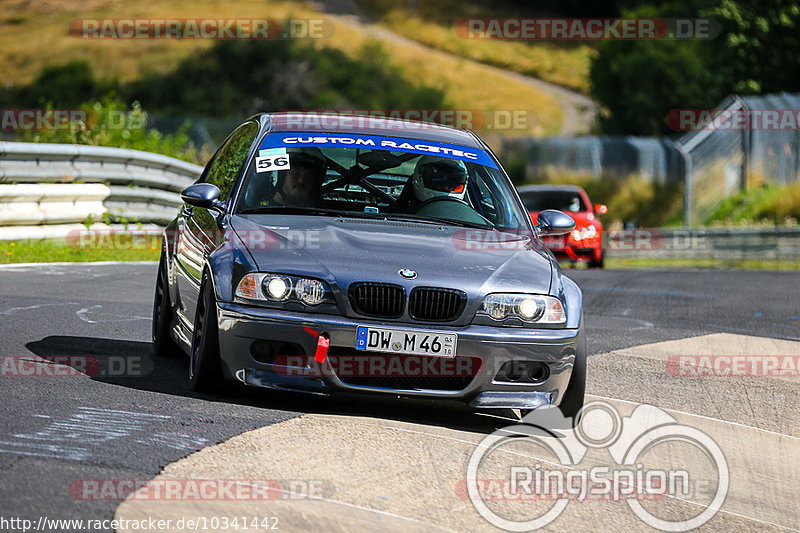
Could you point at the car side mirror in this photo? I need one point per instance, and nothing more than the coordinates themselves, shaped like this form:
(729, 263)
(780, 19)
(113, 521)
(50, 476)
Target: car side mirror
(554, 222)
(600, 209)
(203, 195)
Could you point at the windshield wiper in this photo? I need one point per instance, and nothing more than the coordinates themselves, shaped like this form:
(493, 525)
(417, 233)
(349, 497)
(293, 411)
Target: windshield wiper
(298, 210)
(291, 210)
(437, 220)
(324, 212)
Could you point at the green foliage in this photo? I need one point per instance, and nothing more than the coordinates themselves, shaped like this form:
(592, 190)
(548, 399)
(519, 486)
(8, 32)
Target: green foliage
(759, 49)
(46, 250)
(111, 123)
(232, 79)
(768, 204)
(240, 78)
(639, 82)
(69, 85)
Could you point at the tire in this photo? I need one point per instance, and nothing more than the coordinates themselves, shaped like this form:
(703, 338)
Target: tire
(163, 345)
(205, 368)
(572, 403)
(597, 263)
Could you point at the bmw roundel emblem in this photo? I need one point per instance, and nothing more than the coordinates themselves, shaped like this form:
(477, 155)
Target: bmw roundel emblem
(407, 273)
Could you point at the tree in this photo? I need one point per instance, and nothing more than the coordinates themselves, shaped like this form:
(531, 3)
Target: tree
(639, 82)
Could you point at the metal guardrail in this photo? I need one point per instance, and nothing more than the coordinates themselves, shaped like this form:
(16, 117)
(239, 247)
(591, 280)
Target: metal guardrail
(727, 244)
(64, 184)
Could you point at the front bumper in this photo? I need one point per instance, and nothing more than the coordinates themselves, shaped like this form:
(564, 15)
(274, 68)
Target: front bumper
(240, 326)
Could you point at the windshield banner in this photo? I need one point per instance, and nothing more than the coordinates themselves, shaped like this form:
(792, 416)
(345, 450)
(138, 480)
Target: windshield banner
(374, 142)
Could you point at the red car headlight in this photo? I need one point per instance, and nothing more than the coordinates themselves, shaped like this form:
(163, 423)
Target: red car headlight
(588, 232)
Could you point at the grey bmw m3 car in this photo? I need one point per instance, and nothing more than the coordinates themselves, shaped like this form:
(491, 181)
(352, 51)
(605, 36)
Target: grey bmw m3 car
(352, 254)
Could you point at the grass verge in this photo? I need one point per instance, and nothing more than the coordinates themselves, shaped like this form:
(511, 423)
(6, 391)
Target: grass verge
(468, 84)
(683, 264)
(432, 24)
(58, 250)
(766, 204)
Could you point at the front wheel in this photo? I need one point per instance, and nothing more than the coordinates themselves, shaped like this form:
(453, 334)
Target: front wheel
(572, 403)
(163, 344)
(205, 369)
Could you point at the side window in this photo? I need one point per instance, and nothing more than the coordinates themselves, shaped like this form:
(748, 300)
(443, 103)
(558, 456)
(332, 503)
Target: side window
(231, 159)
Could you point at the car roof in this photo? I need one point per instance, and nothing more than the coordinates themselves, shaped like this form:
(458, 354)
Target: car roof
(368, 125)
(565, 188)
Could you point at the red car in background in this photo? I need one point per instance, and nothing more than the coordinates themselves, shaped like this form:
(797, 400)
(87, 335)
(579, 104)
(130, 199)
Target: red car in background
(585, 242)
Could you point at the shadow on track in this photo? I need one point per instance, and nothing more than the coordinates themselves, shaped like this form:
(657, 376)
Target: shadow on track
(133, 364)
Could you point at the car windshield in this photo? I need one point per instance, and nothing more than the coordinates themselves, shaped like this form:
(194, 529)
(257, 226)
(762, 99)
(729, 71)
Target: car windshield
(570, 201)
(381, 177)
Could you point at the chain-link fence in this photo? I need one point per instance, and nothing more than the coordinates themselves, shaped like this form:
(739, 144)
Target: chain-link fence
(774, 154)
(715, 165)
(718, 158)
(612, 156)
(727, 155)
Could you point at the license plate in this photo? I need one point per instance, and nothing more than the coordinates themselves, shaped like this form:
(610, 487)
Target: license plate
(406, 342)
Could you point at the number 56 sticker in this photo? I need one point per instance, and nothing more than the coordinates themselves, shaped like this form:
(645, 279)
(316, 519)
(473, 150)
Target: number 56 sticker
(272, 162)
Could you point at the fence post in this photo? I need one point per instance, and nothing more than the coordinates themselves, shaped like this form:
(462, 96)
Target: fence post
(745, 166)
(687, 185)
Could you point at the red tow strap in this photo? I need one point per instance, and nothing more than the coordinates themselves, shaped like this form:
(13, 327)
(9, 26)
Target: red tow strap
(322, 348)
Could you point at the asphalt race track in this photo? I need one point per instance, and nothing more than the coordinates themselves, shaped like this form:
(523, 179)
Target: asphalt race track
(380, 465)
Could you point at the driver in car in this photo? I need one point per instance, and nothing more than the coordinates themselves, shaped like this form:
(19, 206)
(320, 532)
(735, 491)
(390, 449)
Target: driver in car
(300, 185)
(433, 177)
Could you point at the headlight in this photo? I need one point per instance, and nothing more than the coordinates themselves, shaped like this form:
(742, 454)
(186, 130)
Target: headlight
(528, 307)
(588, 232)
(276, 287)
(281, 288)
(310, 291)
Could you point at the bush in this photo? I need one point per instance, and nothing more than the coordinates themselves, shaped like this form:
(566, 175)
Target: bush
(67, 85)
(639, 82)
(241, 78)
(111, 123)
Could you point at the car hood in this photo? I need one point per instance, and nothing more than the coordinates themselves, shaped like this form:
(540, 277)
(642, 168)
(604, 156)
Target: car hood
(346, 250)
